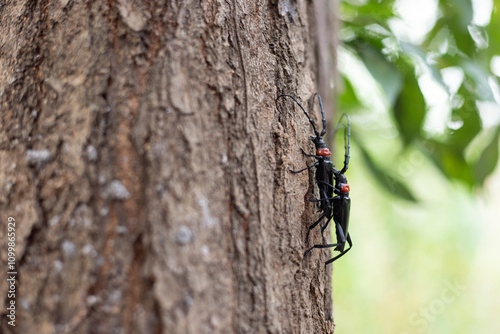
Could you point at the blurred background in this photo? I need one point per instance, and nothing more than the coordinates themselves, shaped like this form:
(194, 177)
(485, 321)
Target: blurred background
(420, 81)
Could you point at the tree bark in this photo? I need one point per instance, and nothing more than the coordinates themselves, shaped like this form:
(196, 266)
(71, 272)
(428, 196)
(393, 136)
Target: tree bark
(147, 167)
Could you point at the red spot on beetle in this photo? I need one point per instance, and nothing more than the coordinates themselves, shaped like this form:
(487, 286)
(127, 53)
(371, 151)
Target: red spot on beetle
(345, 188)
(323, 152)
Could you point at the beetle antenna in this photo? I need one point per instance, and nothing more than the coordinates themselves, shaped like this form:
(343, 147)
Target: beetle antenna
(305, 112)
(322, 113)
(347, 140)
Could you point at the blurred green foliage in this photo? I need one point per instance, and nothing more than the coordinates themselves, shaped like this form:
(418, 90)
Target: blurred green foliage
(465, 149)
(430, 267)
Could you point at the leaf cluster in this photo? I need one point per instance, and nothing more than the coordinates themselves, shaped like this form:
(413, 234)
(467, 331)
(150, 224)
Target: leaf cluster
(466, 148)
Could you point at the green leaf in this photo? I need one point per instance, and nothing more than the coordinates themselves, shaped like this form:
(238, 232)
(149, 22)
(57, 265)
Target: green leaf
(387, 181)
(468, 115)
(420, 56)
(450, 161)
(453, 42)
(348, 100)
(410, 108)
(488, 160)
(457, 15)
(493, 31)
(385, 73)
(378, 12)
(480, 76)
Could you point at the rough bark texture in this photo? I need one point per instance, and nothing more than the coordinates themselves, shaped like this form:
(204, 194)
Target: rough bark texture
(148, 170)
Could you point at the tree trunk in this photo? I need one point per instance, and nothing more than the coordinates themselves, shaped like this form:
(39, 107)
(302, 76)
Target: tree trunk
(147, 168)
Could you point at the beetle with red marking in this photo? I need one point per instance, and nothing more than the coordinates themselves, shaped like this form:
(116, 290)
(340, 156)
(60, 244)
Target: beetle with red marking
(337, 207)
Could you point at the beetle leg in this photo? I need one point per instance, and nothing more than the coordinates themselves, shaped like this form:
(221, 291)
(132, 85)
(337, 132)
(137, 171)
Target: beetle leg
(329, 245)
(349, 241)
(326, 184)
(313, 226)
(323, 197)
(309, 155)
(308, 167)
(341, 232)
(321, 246)
(320, 200)
(323, 229)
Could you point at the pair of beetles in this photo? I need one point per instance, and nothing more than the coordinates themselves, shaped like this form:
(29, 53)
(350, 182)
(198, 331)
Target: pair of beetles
(330, 182)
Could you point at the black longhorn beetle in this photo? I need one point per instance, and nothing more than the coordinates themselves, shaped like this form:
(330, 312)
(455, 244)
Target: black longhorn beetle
(336, 207)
